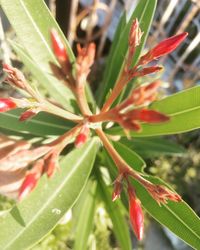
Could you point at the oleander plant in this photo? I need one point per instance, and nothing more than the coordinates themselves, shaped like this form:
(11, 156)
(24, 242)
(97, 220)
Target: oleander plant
(82, 155)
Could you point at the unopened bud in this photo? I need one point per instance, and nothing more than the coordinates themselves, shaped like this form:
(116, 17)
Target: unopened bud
(31, 179)
(60, 51)
(58, 46)
(7, 104)
(152, 116)
(82, 137)
(163, 48)
(144, 71)
(28, 114)
(136, 214)
(51, 164)
(28, 185)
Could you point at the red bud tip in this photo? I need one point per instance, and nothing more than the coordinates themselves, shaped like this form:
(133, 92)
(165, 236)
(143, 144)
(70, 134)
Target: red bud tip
(58, 47)
(163, 48)
(28, 185)
(136, 214)
(51, 163)
(7, 104)
(82, 137)
(28, 114)
(152, 116)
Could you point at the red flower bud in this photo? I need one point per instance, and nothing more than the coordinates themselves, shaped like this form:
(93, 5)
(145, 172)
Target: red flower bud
(28, 114)
(163, 48)
(28, 185)
(152, 116)
(82, 137)
(58, 47)
(51, 163)
(136, 214)
(144, 71)
(7, 104)
(31, 179)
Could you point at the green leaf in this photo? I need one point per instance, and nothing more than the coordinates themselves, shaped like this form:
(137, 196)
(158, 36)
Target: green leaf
(132, 158)
(183, 109)
(144, 11)
(120, 226)
(86, 217)
(41, 125)
(54, 88)
(153, 146)
(32, 22)
(29, 221)
(119, 30)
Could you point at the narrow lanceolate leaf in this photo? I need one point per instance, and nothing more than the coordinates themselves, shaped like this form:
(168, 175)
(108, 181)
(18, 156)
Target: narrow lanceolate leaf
(120, 226)
(86, 217)
(144, 13)
(131, 157)
(177, 216)
(153, 146)
(42, 125)
(32, 22)
(183, 109)
(34, 217)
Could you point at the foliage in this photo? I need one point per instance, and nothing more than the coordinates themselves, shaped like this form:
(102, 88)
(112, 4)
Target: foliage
(86, 173)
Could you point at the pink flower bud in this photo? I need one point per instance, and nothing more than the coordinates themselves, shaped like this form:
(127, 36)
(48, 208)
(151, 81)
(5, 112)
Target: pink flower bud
(136, 214)
(31, 179)
(152, 116)
(51, 163)
(28, 185)
(144, 71)
(7, 104)
(58, 46)
(28, 114)
(82, 137)
(163, 48)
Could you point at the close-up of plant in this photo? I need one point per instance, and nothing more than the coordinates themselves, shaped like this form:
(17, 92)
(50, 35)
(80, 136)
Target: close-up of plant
(82, 156)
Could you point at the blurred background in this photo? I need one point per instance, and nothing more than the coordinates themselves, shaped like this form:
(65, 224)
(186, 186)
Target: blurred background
(83, 21)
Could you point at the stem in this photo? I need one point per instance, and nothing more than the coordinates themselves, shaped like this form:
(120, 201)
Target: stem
(115, 92)
(63, 139)
(102, 117)
(122, 166)
(82, 101)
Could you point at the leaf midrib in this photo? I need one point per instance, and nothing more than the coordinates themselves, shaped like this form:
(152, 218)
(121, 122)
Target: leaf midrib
(180, 112)
(52, 125)
(176, 216)
(36, 28)
(34, 218)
